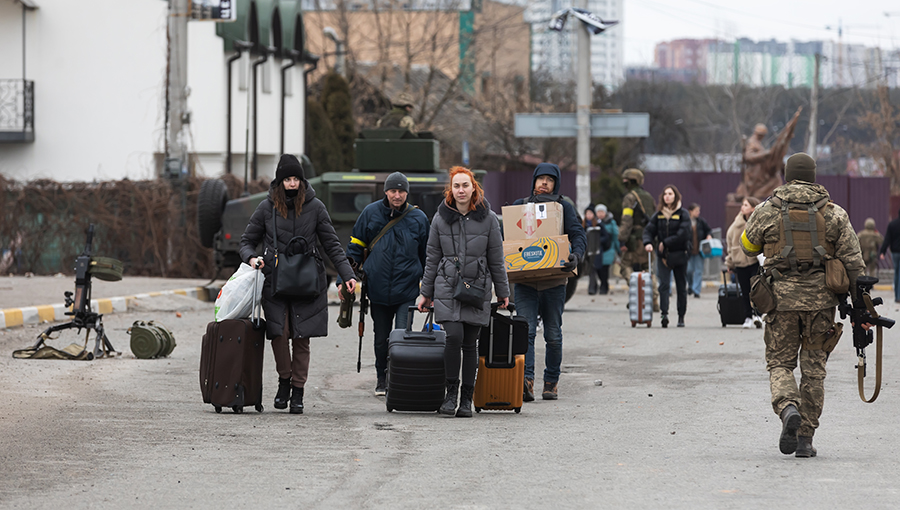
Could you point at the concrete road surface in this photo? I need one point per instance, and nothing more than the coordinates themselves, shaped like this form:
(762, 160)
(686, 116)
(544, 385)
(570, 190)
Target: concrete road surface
(682, 420)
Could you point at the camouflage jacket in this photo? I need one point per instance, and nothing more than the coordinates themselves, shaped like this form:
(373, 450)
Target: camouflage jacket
(631, 227)
(870, 242)
(397, 118)
(805, 291)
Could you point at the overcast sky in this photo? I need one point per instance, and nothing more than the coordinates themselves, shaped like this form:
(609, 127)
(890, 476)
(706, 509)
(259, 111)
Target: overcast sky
(647, 22)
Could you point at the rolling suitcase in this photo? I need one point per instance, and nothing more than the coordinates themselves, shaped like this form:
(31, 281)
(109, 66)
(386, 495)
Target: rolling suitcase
(501, 362)
(231, 362)
(730, 306)
(640, 296)
(415, 371)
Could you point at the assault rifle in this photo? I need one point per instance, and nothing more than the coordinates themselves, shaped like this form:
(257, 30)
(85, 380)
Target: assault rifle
(363, 309)
(862, 312)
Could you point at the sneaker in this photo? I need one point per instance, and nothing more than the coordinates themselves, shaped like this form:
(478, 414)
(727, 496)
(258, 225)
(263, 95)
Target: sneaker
(528, 396)
(380, 387)
(550, 392)
(757, 321)
(748, 323)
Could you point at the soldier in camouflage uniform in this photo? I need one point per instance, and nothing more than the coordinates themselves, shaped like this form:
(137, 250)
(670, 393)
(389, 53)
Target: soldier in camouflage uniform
(870, 241)
(399, 116)
(801, 324)
(637, 206)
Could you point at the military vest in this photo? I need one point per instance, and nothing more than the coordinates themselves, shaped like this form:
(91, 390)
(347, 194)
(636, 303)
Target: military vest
(391, 119)
(801, 244)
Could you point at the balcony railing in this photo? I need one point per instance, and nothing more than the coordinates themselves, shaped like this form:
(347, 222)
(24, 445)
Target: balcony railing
(16, 111)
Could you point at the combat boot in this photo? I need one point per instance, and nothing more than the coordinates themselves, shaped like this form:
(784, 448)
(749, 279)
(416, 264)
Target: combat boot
(804, 447)
(449, 405)
(528, 395)
(790, 420)
(296, 400)
(465, 401)
(665, 321)
(283, 394)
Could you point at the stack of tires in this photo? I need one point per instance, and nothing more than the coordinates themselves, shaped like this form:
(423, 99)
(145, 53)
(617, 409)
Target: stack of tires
(150, 340)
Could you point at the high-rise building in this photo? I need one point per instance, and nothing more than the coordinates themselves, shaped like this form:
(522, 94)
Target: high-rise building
(555, 52)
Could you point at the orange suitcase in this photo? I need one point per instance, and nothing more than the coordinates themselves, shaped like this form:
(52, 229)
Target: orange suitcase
(501, 366)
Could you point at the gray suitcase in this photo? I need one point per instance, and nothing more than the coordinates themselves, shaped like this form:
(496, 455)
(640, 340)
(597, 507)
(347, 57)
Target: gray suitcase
(640, 297)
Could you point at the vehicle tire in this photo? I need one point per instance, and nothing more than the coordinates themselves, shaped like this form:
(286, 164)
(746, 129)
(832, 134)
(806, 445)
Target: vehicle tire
(210, 205)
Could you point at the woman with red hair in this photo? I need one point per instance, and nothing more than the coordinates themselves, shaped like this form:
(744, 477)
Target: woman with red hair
(465, 251)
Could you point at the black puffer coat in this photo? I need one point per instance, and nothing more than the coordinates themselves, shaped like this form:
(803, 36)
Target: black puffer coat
(475, 239)
(674, 231)
(308, 318)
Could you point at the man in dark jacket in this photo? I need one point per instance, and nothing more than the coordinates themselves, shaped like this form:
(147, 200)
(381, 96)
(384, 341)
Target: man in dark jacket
(393, 264)
(892, 241)
(699, 231)
(547, 297)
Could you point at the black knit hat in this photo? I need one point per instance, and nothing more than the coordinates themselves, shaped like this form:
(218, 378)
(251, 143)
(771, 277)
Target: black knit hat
(288, 166)
(396, 181)
(800, 167)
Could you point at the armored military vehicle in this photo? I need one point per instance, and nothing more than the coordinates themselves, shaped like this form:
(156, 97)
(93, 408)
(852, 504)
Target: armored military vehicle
(379, 152)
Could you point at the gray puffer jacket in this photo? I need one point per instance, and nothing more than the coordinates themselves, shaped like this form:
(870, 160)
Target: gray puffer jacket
(308, 318)
(474, 239)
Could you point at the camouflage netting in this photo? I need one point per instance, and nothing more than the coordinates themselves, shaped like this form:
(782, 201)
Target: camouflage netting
(151, 226)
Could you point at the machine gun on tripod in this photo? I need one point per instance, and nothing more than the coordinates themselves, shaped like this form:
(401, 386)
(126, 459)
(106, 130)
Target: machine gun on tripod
(83, 317)
(863, 312)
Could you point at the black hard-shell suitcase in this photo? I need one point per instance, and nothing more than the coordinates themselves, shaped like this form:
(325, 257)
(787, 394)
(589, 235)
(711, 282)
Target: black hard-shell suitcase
(501, 361)
(415, 372)
(731, 306)
(231, 363)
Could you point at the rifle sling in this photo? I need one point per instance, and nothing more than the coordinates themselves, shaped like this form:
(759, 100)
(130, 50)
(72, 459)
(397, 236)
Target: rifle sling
(861, 364)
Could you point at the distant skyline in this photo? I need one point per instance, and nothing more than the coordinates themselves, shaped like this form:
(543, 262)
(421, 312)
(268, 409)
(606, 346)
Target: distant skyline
(648, 22)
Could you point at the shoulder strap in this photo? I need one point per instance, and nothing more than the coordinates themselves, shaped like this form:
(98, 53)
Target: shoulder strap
(640, 203)
(390, 225)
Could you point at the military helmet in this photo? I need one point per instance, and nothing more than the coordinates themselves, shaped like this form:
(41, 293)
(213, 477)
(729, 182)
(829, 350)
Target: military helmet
(634, 174)
(761, 130)
(801, 167)
(403, 99)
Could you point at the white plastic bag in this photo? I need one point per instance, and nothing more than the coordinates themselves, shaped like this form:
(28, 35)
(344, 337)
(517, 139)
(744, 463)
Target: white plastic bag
(235, 300)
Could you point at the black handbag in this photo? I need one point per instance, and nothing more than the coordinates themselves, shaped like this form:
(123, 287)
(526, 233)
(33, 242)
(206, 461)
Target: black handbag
(675, 258)
(467, 292)
(295, 274)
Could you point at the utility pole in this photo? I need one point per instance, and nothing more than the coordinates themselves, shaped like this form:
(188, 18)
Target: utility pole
(814, 112)
(176, 89)
(583, 115)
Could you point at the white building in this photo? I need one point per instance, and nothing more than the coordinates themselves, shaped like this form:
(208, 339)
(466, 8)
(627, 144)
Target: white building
(554, 52)
(98, 76)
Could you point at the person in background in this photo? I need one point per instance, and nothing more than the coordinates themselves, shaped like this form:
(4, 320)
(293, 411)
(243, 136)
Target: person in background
(742, 265)
(699, 231)
(464, 243)
(597, 237)
(892, 241)
(870, 241)
(669, 234)
(608, 257)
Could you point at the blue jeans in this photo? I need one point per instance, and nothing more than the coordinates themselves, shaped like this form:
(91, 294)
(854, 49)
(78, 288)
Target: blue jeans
(549, 305)
(896, 257)
(695, 273)
(384, 317)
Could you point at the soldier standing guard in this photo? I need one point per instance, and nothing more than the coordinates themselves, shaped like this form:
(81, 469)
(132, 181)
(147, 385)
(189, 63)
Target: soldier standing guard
(399, 116)
(801, 232)
(637, 206)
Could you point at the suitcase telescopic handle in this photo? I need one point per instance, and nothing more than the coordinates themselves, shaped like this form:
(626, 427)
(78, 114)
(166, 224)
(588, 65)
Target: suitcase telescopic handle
(429, 319)
(511, 307)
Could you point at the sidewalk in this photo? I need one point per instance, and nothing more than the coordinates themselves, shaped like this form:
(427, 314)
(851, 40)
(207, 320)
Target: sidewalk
(19, 294)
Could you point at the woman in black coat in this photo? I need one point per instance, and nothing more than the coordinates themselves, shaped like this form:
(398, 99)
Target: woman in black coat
(669, 233)
(297, 212)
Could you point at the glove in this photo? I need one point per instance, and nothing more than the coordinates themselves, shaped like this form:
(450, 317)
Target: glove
(572, 264)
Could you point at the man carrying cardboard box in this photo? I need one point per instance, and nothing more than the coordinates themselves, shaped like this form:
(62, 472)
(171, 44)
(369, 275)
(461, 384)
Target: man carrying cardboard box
(547, 297)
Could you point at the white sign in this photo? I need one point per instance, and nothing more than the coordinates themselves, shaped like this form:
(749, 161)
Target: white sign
(565, 125)
(214, 10)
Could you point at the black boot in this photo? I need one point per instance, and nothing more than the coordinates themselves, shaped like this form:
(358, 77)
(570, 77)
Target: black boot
(465, 401)
(681, 321)
(296, 400)
(665, 321)
(790, 420)
(805, 448)
(283, 394)
(449, 405)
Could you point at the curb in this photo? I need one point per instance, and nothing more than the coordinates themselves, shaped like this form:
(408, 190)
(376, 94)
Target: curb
(13, 317)
(715, 285)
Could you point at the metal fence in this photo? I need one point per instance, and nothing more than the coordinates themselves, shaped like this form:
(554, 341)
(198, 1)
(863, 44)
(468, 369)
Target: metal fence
(16, 110)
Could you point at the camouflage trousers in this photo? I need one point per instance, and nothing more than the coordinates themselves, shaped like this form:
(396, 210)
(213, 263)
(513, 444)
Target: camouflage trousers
(784, 335)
